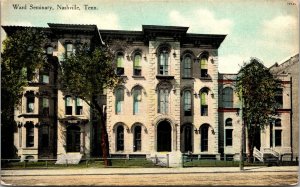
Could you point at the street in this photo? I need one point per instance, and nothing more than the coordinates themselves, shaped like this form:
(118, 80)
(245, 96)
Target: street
(184, 176)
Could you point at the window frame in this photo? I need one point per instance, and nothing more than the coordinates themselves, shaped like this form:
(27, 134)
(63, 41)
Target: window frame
(119, 100)
(137, 70)
(163, 61)
(137, 92)
(204, 104)
(78, 106)
(187, 103)
(68, 105)
(137, 141)
(204, 139)
(187, 71)
(227, 97)
(29, 135)
(120, 70)
(204, 70)
(120, 146)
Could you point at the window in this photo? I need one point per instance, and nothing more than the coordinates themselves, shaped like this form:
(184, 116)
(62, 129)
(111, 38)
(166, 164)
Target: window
(278, 137)
(120, 138)
(164, 62)
(45, 136)
(120, 64)
(137, 138)
(137, 68)
(187, 103)
(29, 134)
(137, 98)
(204, 106)
(187, 71)
(45, 78)
(227, 97)
(228, 122)
(68, 105)
(45, 106)
(49, 50)
(203, 67)
(78, 106)
(69, 49)
(119, 100)
(163, 101)
(278, 123)
(204, 138)
(30, 102)
(279, 98)
(228, 135)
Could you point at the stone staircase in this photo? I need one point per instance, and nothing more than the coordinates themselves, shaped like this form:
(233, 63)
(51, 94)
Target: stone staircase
(266, 155)
(69, 158)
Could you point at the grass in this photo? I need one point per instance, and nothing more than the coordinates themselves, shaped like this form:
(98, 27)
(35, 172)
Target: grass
(218, 163)
(116, 163)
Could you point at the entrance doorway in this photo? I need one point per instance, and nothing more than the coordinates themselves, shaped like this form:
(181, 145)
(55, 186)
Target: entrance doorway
(73, 138)
(256, 142)
(164, 136)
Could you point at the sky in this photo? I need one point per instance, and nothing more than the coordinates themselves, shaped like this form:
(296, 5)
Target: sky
(265, 29)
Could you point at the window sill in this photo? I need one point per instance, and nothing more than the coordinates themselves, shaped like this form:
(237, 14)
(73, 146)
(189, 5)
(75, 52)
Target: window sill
(187, 78)
(122, 76)
(138, 77)
(167, 77)
(206, 78)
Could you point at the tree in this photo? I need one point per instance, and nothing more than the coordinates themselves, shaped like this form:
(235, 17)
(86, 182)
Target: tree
(256, 88)
(86, 74)
(23, 53)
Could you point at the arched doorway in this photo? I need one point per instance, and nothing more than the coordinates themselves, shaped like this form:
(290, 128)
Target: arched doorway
(73, 138)
(186, 138)
(164, 136)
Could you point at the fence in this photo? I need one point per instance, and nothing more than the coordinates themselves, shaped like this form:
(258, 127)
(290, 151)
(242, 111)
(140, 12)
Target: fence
(90, 162)
(189, 160)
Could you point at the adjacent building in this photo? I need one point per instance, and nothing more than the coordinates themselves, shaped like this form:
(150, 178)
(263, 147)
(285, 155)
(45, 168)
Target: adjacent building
(172, 101)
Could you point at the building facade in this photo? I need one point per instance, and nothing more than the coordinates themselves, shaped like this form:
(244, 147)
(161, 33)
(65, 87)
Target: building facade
(172, 101)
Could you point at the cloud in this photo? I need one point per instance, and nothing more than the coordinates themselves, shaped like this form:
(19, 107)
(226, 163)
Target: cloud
(103, 20)
(201, 21)
(231, 63)
(280, 33)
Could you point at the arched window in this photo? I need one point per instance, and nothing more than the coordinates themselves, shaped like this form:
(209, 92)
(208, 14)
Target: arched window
(204, 103)
(204, 137)
(228, 122)
(279, 98)
(29, 134)
(163, 100)
(187, 66)
(203, 66)
(68, 105)
(278, 123)
(120, 138)
(137, 138)
(137, 67)
(187, 103)
(120, 64)
(228, 132)
(164, 61)
(137, 99)
(119, 100)
(227, 97)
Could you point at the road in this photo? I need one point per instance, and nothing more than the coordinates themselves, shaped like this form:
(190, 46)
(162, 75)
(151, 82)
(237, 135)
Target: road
(255, 176)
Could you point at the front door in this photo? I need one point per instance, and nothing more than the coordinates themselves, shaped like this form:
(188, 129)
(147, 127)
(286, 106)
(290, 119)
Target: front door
(73, 138)
(164, 136)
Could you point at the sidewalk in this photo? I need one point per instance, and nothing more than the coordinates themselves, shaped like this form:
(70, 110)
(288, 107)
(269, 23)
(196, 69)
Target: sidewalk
(140, 171)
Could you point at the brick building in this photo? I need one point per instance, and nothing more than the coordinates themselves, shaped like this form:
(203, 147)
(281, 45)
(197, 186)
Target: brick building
(173, 100)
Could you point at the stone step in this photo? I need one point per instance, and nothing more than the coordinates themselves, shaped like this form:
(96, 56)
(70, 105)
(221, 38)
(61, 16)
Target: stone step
(69, 158)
